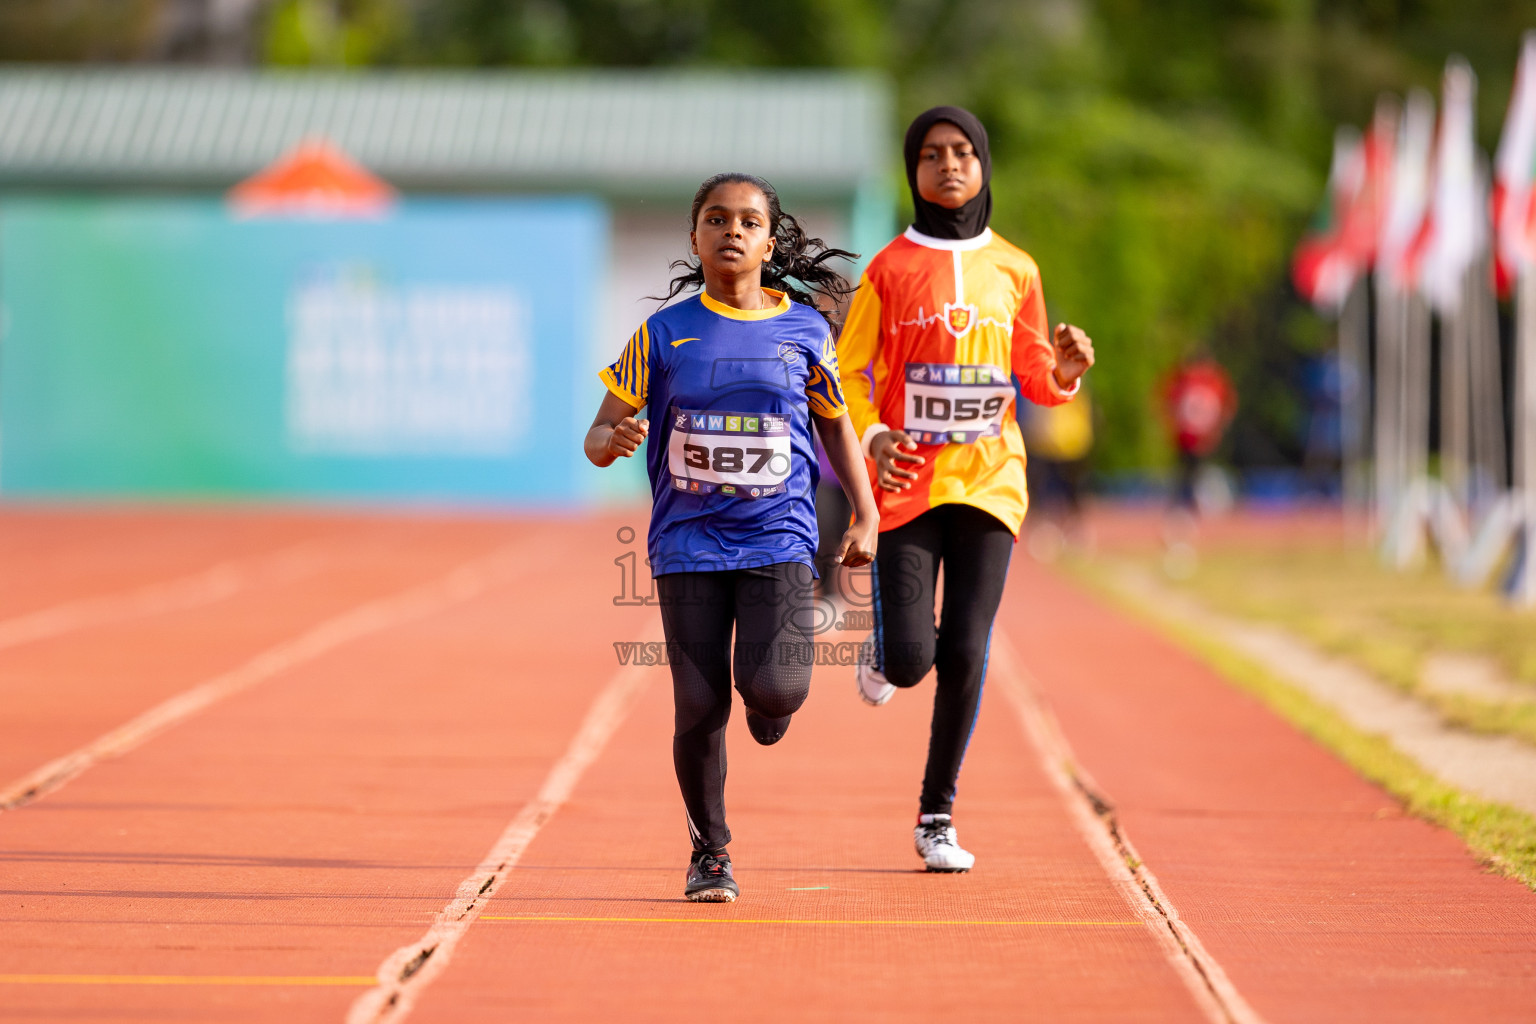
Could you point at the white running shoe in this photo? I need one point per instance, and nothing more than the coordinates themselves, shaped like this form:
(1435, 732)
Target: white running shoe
(873, 688)
(938, 845)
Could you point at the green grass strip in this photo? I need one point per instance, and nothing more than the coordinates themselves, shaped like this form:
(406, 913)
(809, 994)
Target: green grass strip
(1502, 837)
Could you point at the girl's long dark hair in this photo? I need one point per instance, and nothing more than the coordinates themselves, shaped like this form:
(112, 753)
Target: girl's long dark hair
(799, 264)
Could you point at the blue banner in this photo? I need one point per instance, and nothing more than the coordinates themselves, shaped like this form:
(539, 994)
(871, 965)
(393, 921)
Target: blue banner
(170, 349)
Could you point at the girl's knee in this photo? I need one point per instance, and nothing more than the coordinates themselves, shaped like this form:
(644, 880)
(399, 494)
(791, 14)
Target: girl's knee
(906, 664)
(776, 688)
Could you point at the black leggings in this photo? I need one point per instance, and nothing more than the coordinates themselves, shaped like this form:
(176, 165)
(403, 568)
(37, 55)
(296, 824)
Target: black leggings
(771, 610)
(974, 548)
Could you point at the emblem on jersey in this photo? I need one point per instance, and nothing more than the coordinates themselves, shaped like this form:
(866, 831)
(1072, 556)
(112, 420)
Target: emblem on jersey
(787, 351)
(959, 319)
(681, 420)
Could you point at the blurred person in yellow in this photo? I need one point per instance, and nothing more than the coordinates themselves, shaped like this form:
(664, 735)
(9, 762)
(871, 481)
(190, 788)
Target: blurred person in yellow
(1058, 440)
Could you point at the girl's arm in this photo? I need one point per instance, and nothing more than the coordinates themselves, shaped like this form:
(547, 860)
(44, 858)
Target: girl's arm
(856, 348)
(842, 447)
(615, 433)
(1048, 368)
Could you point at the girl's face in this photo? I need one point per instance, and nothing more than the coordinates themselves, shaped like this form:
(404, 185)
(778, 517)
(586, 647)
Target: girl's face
(732, 236)
(948, 172)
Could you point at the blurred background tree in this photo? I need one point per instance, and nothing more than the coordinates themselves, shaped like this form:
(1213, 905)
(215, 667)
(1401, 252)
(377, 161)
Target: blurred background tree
(1158, 159)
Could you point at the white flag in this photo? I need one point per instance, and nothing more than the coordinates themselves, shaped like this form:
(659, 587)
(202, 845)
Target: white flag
(1408, 193)
(1457, 229)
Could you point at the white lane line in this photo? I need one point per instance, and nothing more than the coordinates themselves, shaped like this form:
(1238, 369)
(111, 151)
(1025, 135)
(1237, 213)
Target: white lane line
(467, 581)
(215, 583)
(1094, 817)
(410, 969)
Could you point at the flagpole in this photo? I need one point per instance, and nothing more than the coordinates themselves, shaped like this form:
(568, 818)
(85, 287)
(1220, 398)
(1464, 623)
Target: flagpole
(1355, 391)
(1454, 412)
(1487, 385)
(1494, 521)
(1387, 435)
(1523, 593)
(1403, 353)
(1386, 423)
(1514, 178)
(1419, 335)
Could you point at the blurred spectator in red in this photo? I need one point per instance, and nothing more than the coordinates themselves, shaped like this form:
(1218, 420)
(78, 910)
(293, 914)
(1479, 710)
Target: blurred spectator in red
(1198, 402)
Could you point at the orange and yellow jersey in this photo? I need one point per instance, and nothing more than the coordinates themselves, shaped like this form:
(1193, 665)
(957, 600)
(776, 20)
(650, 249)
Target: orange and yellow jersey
(936, 330)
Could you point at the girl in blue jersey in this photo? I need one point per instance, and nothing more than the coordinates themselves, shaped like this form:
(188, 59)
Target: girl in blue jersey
(734, 378)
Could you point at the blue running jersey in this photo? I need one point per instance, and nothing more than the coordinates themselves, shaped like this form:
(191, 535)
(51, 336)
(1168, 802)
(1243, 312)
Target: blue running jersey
(732, 464)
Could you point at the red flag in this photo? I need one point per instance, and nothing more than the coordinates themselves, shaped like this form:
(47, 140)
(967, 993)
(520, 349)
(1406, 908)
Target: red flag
(1343, 240)
(1514, 169)
(1323, 268)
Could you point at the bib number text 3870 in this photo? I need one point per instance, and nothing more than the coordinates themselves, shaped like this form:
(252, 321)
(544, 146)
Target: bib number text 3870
(744, 455)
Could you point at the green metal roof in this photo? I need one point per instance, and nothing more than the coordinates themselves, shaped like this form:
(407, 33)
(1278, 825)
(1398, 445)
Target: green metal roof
(614, 132)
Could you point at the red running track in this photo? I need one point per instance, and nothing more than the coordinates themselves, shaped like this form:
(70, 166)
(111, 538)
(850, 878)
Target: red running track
(260, 858)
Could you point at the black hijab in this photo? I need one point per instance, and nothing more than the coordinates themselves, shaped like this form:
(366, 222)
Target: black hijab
(931, 219)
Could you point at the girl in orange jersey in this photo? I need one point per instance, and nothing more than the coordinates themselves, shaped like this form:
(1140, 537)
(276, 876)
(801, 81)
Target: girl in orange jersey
(946, 319)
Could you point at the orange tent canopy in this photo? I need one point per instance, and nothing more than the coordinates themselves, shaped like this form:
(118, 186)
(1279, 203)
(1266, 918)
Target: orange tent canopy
(314, 178)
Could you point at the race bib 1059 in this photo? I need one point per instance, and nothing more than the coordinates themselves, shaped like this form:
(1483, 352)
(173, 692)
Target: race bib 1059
(950, 404)
(743, 454)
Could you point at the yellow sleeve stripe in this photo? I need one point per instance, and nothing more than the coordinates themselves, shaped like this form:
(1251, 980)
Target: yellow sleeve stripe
(611, 379)
(633, 364)
(643, 347)
(825, 409)
(629, 376)
(824, 393)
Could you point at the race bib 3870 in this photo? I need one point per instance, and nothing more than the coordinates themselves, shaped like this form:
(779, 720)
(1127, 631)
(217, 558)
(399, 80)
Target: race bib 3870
(742, 454)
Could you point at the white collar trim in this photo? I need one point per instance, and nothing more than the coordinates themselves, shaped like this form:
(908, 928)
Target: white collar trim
(952, 244)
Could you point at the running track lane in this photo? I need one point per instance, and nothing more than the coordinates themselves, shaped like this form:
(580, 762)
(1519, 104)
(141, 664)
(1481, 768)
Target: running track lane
(54, 555)
(1321, 900)
(63, 691)
(836, 922)
(261, 858)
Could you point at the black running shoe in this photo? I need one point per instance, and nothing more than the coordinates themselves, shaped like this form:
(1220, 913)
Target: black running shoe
(767, 731)
(709, 878)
